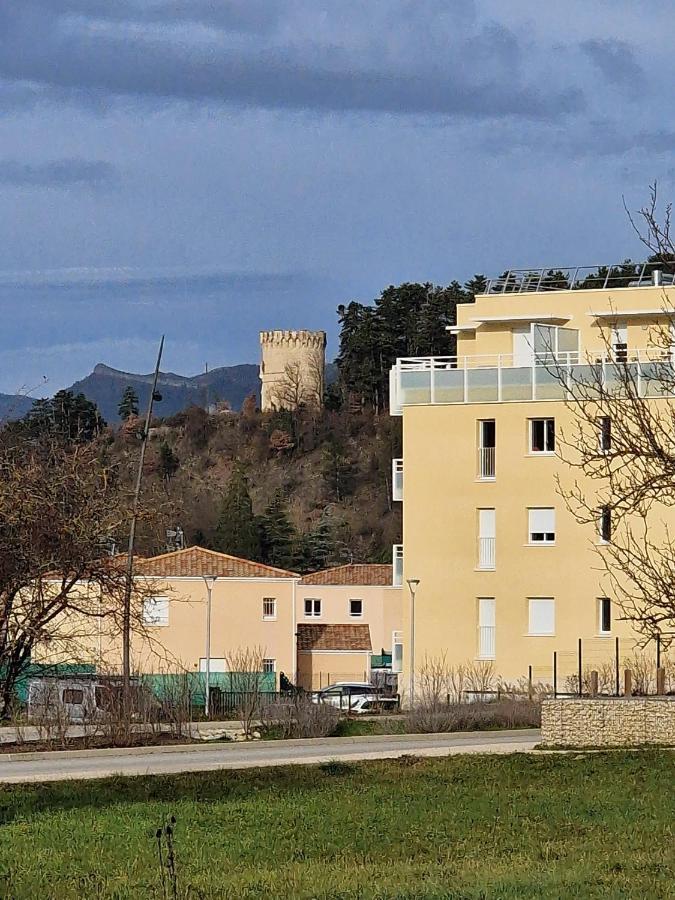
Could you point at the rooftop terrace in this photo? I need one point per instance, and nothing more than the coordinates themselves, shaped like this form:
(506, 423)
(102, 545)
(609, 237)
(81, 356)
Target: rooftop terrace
(574, 278)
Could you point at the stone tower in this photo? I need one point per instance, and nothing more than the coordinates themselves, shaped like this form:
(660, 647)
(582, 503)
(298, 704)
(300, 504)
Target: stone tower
(292, 368)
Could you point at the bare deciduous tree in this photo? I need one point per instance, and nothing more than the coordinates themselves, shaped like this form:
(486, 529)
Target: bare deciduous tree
(58, 508)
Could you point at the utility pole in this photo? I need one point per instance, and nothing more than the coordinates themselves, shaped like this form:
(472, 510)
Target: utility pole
(126, 610)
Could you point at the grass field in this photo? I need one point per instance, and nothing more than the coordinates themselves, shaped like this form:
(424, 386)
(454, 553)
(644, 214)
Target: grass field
(596, 825)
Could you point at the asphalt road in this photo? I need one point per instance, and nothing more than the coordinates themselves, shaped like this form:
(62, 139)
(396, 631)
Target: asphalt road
(63, 765)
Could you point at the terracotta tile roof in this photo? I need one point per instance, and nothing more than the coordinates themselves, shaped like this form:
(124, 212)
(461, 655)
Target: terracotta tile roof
(197, 561)
(334, 637)
(370, 574)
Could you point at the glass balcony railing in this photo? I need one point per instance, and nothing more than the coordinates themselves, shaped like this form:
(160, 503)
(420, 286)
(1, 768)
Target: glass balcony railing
(397, 479)
(500, 378)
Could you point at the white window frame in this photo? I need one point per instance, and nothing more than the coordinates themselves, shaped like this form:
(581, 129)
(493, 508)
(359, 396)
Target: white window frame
(548, 534)
(550, 603)
(601, 602)
(487, 539)
(314, 609)
(269, 666)
(155, 619)
(352, 614)
(269, 616)
(544, 420)
(216, 664)
(487, 620)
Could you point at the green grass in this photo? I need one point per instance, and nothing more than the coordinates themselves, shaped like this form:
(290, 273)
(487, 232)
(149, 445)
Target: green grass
(519, 826)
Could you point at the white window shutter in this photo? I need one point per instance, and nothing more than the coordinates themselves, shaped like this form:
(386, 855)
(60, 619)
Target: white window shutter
(542, 616)
(542, 520)
(486, 523)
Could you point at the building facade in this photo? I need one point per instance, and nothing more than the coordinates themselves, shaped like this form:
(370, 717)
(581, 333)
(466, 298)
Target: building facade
(506, 573)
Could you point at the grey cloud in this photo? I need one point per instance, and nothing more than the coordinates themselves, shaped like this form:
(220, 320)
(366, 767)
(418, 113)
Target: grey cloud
(60, 173)
(245, 16)
(616, 61)
(301, 77)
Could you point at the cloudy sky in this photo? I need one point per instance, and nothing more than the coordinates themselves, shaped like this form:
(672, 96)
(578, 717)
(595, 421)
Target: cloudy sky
(208, 168)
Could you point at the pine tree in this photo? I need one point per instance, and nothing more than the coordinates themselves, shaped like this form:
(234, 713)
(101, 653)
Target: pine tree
(168, 462)
(128, 405)
(67, 417)
(237, 530)
(279, 537)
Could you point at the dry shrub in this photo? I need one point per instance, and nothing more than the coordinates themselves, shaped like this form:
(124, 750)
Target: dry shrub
(299, 717)
(479, 715)
(643, 667)
(606, 679)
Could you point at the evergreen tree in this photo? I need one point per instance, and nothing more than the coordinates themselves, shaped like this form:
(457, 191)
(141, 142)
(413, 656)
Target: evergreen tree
(67, 417)
(279, 537)
(168, 462)
(128, 405)
(337, 470)
(237, 530)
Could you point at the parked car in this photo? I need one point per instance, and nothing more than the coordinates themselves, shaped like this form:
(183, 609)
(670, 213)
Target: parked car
(358, 697)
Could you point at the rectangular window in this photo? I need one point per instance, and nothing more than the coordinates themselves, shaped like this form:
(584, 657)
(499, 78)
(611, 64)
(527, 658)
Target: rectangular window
(486, 539)
(486, 627)
(356, 608)
(269, 666)
(606, 524)
(541, 525)
(156, 611)
(620, 342)
(604, 615)
(542, 435)
(72, 695)
(541, 615)
(605, 433)
(269, 607)
(312, 608)
(486, 449)
(216, 664)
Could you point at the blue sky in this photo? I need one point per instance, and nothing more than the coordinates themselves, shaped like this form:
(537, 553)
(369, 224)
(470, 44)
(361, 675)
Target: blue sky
(209, 169)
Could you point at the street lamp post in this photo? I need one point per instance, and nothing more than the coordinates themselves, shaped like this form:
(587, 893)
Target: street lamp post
(412, 587)
(209, 581)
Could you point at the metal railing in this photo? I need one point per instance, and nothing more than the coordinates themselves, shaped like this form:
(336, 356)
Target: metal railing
(485, 378)
(397, 479)
(486, 552)
(486, 463)
(486, 641)
(574, 278)
(397, 565)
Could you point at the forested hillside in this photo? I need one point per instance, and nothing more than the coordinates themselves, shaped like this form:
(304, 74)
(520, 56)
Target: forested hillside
(300, 489)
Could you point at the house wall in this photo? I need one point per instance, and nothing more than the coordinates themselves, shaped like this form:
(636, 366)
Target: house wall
(381, 609)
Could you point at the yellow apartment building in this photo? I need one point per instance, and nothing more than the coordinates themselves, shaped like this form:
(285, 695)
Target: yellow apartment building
(505, 572)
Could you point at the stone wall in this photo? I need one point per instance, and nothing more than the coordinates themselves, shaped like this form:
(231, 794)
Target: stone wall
(608, 722)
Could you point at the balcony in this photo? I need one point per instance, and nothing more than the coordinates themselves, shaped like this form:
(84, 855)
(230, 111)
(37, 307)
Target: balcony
(397, 565)
(486, 553)
(486, 463)
(498, 378)
(397, 479)
(486, 641)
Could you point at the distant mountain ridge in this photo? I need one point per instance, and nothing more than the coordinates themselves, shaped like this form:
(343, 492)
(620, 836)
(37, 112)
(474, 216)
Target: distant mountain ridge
(14, 406)
(105, 386)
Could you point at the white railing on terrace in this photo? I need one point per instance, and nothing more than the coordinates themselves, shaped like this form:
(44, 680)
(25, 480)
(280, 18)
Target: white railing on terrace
(486, 641)
(397, 565)
(500, 377)
(575, 278)
(486, 463)
(397, 479)
(486, 552)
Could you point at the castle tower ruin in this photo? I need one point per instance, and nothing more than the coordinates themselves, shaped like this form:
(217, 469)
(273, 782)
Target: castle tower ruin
(292, 368)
